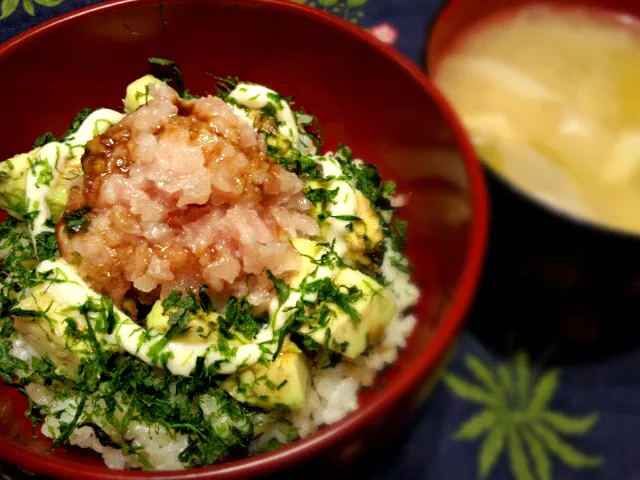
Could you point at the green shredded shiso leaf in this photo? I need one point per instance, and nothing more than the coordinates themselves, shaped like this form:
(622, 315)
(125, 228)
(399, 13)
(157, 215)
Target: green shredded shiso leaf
(151, 396)
(113, 391)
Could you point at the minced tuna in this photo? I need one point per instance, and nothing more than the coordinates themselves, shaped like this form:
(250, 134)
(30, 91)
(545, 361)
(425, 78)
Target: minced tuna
(182, 193)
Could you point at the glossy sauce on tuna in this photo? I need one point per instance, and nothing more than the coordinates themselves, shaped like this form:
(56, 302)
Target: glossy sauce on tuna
(181, 193)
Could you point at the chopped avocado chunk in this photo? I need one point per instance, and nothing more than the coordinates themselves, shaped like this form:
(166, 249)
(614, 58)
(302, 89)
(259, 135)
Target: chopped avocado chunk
(375, 308)
(138, 92)
(202, 327)
(64, 292)
(13, 183)
(279, 143)
(59, 194)
(157, 319)
(282, 382)
(367, 231)
(57, 200)
(51, 322)
(308, 250)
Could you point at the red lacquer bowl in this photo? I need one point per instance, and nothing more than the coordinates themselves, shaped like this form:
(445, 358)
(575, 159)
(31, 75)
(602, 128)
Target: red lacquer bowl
(363, 93)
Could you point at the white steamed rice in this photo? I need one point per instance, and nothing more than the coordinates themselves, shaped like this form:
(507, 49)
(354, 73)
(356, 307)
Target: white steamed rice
(332, 394)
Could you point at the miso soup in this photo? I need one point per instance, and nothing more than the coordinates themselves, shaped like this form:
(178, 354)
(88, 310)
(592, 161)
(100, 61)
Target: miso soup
(551, 98)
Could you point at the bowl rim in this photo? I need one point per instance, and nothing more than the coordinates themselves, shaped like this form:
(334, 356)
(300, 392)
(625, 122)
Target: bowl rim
(426, 359)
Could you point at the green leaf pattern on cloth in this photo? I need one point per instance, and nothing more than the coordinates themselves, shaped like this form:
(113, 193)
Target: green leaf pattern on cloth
(491, 449)
(350, 10)
(29, 7)
(7, 7)
(515, 417)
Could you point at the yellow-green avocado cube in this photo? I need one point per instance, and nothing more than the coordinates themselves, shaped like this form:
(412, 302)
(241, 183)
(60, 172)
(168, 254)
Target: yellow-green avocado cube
(366, 233)
(201, 326)
(47, 323)
(13, 185)
(283, 382)
(138, 92)
(59, 194)
(308, 250)
(13, 181)
(375, 308)
(260, 385)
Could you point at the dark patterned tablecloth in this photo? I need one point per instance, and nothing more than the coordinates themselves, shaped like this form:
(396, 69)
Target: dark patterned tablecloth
(512, 405)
